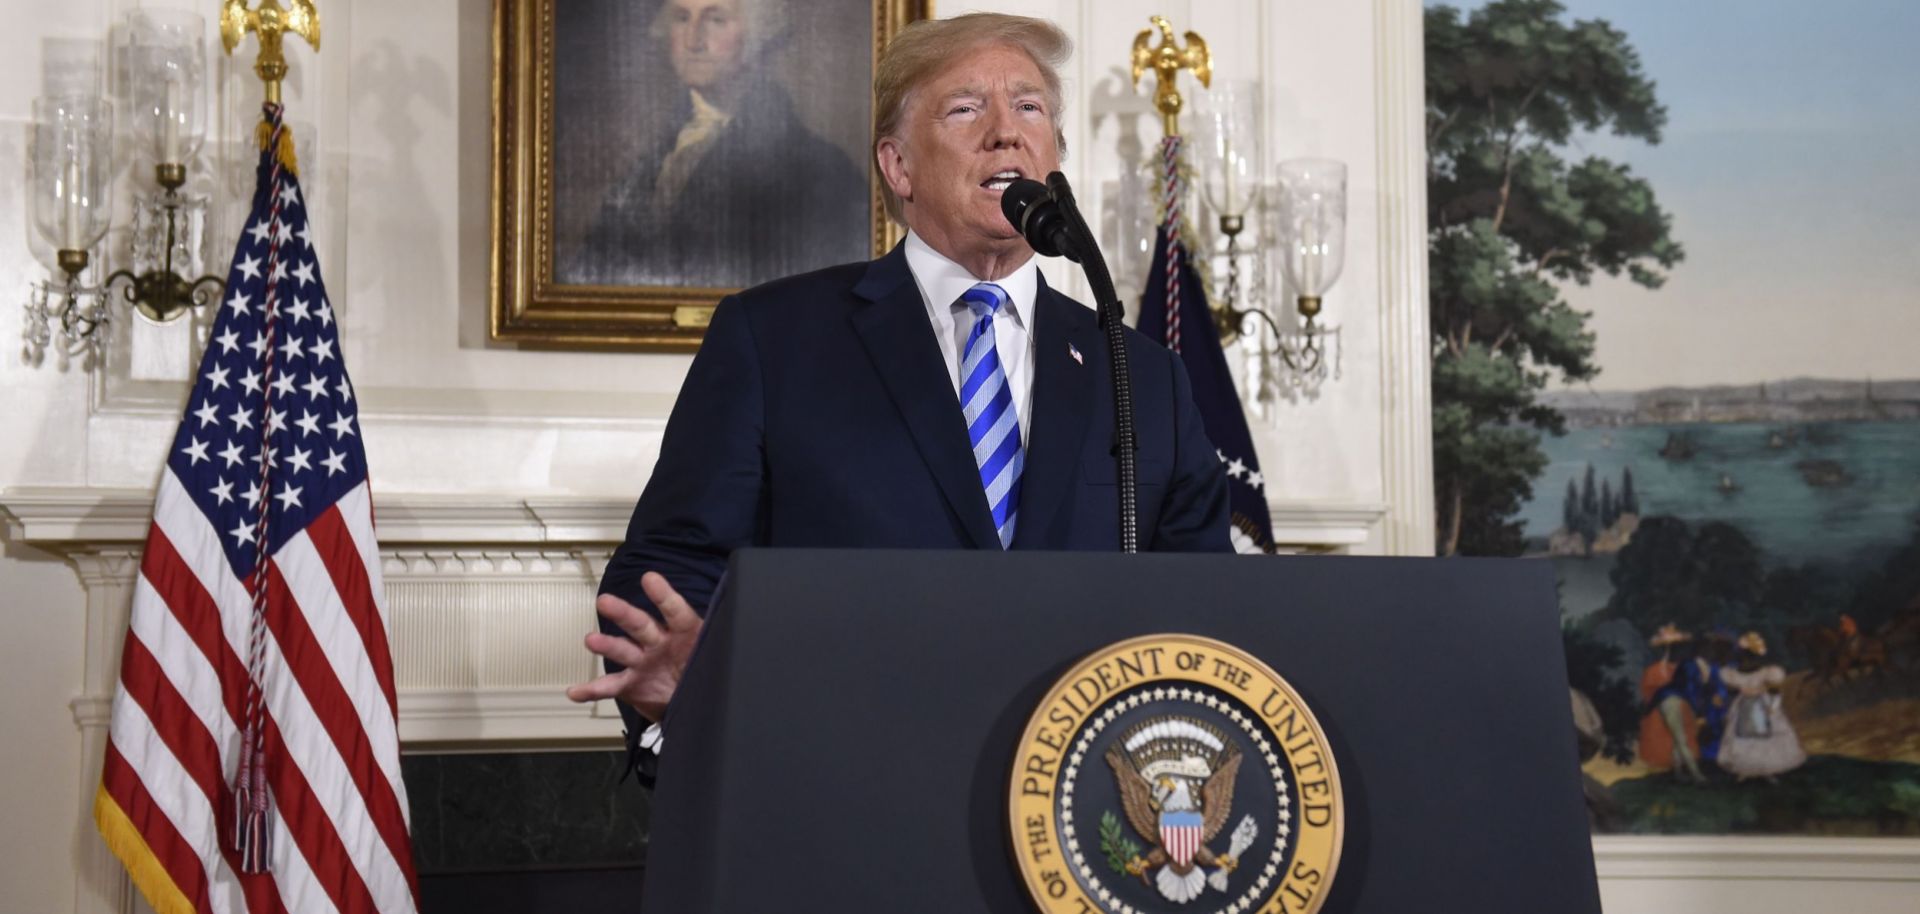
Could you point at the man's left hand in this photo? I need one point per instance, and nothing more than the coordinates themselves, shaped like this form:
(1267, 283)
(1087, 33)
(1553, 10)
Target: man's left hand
(654, 655)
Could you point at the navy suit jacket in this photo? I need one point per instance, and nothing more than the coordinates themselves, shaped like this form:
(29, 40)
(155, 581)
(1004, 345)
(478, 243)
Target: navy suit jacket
(819, 413)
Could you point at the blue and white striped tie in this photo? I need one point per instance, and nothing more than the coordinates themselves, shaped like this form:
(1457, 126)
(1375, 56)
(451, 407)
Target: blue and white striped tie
(992, 426)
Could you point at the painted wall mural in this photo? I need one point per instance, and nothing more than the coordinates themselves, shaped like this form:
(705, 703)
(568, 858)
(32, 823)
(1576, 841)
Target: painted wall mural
(1674, 289)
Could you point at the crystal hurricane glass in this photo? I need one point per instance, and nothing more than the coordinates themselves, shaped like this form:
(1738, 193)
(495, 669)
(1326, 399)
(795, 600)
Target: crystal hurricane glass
(1313, 227)
(1226, 150)
(72, 161)
(164, 82)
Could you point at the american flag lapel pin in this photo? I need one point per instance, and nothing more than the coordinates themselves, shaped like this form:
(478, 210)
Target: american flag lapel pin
(1074, 351)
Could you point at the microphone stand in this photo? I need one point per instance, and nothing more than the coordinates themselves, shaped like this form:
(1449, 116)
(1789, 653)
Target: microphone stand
(1107, 305)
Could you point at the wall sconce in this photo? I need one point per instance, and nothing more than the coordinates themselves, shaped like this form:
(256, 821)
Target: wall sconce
(1312, 214)
(1300, 222)
(162, 72)
(1226, 150)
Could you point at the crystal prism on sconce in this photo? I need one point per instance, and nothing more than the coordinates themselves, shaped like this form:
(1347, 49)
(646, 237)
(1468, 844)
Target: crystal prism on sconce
(162, 67)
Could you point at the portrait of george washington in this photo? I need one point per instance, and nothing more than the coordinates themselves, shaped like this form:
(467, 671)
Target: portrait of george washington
(709, 143)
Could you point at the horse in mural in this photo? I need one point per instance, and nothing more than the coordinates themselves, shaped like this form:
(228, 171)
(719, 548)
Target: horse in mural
(1901, 635)
(1840, 652)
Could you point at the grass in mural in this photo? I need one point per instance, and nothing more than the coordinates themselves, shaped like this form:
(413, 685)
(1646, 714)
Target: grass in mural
(1828, 795)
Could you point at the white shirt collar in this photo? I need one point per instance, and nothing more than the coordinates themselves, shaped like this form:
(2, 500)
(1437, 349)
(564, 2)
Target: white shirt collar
(943, 281)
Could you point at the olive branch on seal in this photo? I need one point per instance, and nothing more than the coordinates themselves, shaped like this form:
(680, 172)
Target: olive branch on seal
(1114, 843)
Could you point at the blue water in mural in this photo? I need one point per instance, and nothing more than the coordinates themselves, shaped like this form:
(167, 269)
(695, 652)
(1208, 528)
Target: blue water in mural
(1834, 492)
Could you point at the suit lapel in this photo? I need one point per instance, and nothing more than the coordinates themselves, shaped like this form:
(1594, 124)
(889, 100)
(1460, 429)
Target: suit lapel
(1063, 395)
(893, 327)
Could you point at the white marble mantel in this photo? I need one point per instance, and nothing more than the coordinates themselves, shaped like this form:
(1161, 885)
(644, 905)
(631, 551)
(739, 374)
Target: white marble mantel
(487, 598)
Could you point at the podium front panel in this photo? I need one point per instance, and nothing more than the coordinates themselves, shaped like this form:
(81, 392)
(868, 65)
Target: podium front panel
(846, 733)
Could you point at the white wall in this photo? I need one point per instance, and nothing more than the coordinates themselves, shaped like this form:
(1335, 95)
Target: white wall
(395, 119)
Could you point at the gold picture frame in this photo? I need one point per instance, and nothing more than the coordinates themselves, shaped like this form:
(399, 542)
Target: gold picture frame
(541, 295)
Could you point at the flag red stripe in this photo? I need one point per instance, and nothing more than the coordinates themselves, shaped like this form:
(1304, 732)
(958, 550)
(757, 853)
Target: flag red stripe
(197, 613)
(312, 830)
(335, 711)
(337, 550)
(147, 684)
(183, 866)
(186, 736)
(305, 818)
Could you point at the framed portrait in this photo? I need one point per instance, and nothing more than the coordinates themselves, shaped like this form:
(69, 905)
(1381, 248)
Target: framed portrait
(652, 156)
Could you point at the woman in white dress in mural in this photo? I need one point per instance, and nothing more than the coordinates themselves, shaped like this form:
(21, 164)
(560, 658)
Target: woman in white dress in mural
(1759, 741)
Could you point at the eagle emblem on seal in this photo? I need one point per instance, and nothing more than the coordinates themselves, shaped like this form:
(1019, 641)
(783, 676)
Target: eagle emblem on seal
(1176, 777)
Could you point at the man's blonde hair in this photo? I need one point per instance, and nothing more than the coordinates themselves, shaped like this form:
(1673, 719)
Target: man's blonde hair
(923, 48)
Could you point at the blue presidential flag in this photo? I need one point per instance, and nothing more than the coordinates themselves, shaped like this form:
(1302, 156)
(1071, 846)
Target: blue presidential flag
(1173, 311)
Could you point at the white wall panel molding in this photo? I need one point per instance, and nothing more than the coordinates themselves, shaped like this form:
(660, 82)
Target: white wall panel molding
(106, 571)
(1326, 525)
(1765, 858)
(1406, 405)
(112, 394)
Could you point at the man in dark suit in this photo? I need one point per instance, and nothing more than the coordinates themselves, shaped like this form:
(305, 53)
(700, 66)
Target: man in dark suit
(941, 397)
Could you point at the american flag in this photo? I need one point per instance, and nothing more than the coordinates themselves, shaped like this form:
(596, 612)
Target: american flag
(254, 760)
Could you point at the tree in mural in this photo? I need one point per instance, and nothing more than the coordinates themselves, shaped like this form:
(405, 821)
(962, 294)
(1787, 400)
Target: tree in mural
(1696, 579)
(1508, 85)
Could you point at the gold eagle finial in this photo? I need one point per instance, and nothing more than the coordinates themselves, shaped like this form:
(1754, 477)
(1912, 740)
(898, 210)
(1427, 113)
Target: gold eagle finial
(1167, 61)
(270, 21)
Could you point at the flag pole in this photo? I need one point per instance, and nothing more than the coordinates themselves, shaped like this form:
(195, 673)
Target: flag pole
(1165, 62)
(1175, 287)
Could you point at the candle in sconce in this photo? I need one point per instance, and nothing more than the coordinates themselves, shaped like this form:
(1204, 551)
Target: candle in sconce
(1231, 202)
(170, 124)
(1310, 253)
(73, 221)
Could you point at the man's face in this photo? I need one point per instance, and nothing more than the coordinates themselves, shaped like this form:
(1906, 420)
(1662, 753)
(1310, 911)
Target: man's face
(706, 40)
(984, 117)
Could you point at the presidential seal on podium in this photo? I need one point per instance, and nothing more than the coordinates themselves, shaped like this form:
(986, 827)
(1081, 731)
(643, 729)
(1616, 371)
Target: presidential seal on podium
(1175, 773)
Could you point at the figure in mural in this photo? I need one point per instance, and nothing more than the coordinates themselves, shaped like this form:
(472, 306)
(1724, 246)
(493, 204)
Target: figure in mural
(1759, 741)
(734, 189)
(1669, 730)
(1709, 692)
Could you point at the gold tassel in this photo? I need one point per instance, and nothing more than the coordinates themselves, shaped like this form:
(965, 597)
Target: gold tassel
(288, 161)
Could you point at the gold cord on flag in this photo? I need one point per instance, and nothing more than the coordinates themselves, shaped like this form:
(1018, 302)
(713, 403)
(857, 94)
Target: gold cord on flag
(252, 826)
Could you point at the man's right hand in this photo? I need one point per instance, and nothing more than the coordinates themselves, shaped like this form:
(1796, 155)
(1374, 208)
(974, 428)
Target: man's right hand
(654, 655)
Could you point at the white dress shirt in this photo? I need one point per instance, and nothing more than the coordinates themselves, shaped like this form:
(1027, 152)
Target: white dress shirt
(942, 282)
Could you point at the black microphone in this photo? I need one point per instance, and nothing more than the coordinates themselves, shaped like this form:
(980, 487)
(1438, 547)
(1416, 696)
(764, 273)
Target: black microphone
(1050, 219)
(1031, 210)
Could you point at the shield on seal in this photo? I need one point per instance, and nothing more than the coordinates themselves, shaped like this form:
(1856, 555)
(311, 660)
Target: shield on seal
(1180, 835)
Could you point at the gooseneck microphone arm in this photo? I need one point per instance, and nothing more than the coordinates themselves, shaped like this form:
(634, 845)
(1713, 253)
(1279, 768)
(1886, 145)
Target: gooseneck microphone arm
(1050, 219)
